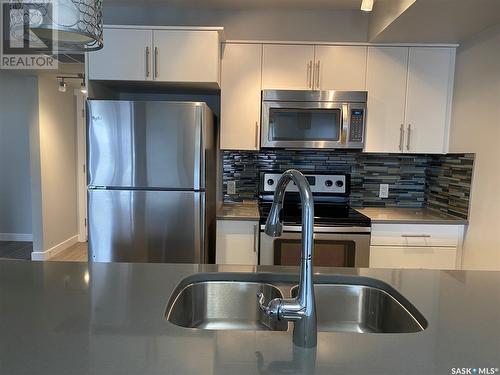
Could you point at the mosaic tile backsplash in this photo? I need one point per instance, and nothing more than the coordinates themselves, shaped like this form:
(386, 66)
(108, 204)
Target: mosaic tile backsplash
(438, 181)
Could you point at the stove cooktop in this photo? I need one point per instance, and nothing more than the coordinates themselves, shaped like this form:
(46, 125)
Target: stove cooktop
(325, 214)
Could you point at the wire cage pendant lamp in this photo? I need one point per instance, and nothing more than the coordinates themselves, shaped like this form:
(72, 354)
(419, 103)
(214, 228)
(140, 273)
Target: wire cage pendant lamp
(67, 25)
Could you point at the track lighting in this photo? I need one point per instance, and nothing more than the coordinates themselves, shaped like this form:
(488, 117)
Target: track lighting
(62, 85)
(83, 88)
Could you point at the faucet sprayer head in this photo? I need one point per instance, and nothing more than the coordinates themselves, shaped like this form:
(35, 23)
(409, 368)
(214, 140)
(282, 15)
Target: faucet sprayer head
(274, 227)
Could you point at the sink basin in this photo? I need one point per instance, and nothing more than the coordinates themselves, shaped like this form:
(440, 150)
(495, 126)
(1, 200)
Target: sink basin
(363, 309)
(223, 305)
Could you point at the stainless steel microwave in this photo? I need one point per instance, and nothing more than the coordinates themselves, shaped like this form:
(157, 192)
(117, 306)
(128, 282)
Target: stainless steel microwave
(313, 119)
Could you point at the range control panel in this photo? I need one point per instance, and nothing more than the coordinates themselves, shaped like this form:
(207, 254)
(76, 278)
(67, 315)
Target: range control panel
(320, 183)
(356, 125)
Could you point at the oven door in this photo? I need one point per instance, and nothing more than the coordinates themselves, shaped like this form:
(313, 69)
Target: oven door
(330, 249)
(304, 124)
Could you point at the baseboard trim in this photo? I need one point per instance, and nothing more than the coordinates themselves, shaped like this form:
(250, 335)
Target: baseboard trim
(25, 237)
(47, 254)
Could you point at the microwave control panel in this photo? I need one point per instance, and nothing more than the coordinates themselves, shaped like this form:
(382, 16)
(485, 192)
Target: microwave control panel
(356, 125)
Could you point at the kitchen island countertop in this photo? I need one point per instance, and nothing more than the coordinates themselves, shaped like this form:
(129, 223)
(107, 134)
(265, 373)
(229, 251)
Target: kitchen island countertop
(108, 318)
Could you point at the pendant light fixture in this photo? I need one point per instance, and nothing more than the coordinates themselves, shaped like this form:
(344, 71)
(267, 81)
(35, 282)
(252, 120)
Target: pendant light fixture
(66, 25)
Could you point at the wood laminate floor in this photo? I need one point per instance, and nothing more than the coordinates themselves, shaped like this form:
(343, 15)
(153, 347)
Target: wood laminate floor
(76, 253)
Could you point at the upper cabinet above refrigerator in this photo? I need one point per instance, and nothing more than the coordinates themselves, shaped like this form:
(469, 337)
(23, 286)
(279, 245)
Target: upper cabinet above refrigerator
(187, 56)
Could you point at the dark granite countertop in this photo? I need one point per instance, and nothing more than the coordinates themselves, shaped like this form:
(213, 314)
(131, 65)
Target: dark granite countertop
(79, 318)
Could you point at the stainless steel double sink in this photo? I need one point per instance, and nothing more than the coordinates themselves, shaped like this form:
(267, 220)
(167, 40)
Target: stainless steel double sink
(344, 304)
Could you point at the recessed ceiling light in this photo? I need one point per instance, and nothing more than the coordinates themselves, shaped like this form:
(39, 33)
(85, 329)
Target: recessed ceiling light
(367, 5)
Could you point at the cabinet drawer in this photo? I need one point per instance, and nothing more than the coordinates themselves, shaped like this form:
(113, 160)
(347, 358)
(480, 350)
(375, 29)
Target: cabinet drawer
(415, 235)
(413, 257)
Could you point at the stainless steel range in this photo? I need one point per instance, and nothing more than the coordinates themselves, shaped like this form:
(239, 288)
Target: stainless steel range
(341, 234)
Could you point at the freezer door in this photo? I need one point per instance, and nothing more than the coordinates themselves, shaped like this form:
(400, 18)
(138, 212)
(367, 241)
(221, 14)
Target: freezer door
(146, 226)
(145, 144)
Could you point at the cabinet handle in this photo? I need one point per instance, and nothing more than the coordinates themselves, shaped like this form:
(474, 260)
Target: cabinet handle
(147, 62)
(408, 139)
(416, 235)
(309, 74)
(257, 135)
(255, 238)
(317, 75)
(156, 62)
(401, 137)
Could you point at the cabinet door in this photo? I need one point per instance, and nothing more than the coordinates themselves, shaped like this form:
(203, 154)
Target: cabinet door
(126, 55)
(186, 56)
(340, 68)
(386, 86)
(237, 242)
(430, 81)
(240, 96)
(287, 67)
(413, 257)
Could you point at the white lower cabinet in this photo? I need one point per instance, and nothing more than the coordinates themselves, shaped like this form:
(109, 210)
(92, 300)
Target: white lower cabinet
(237, 242)
(413, 257)
(416, 246)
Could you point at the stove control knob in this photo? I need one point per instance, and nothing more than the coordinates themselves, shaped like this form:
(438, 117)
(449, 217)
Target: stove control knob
(270, 182)
(339, 183)
(328, 183)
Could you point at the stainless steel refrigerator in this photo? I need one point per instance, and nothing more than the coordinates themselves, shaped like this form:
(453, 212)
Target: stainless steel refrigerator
(151, 181)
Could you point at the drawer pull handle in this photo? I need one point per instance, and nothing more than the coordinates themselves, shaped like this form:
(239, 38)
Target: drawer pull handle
(416, 235)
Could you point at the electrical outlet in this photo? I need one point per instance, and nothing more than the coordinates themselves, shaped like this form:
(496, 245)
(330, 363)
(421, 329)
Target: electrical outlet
(231, 187)
(384, 191)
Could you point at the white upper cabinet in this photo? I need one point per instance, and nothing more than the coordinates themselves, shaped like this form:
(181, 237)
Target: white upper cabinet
(240, 96)
(164, 55)
(386, 86)
(287, 67)
(429, 93)
(126, 56)
(409, 99)
(186, 56)
(340, 68)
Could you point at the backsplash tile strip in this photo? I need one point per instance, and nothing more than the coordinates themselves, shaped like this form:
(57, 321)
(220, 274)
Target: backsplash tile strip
(448, 186)
(439, 181)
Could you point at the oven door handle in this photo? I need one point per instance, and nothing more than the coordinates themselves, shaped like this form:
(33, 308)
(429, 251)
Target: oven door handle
(326, 230)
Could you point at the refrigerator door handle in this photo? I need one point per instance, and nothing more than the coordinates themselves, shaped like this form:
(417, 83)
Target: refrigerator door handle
(199, 225)
(198, 162)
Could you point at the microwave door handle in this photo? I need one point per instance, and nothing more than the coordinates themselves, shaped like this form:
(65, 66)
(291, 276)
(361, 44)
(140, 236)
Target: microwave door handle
(345, 124)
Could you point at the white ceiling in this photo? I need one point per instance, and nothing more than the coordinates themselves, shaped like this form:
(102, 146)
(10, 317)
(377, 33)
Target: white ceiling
(252, 4)
(441, 21)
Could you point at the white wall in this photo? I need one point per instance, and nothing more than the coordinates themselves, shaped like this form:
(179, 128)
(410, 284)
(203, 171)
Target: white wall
(57, 167)
(248, 24)
(18, 108)
(476, 128)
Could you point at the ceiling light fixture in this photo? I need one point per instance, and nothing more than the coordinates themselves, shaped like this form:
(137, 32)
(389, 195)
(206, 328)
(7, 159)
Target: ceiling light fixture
(62, 25)
(62, 85)
(367, 5)
(80, 76)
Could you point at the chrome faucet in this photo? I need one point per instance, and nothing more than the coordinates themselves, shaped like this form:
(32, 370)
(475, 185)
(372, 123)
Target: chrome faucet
(301, 310)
